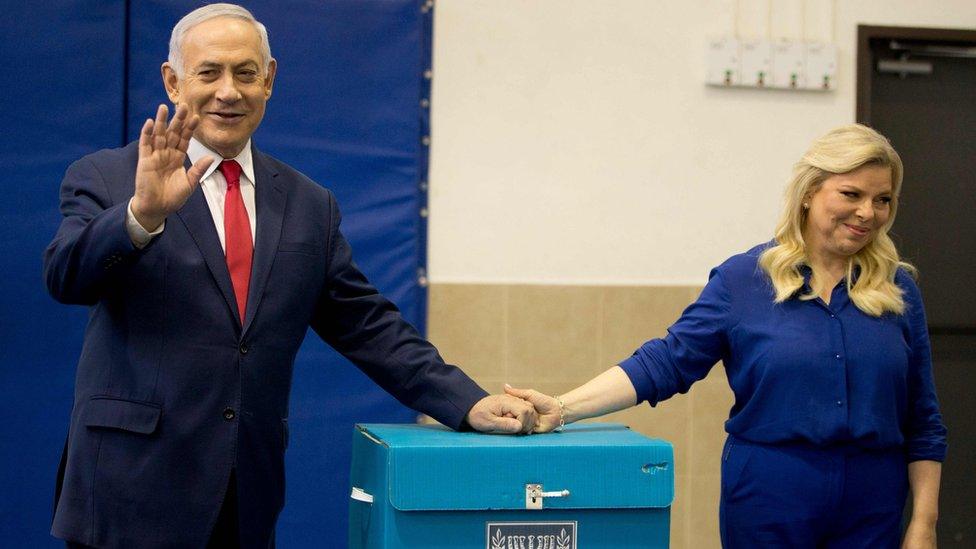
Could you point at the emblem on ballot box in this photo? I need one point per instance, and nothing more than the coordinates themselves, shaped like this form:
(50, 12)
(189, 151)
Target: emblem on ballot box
(531, 535)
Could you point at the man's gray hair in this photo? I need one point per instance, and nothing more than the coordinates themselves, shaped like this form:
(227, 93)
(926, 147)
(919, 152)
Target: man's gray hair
(206, 13)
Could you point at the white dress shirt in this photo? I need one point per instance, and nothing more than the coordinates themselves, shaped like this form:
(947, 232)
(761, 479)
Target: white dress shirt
(214, 188)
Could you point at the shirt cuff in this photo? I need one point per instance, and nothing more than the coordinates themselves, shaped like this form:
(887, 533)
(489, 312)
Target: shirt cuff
(918, 451)
(640, 378)
(137, 233)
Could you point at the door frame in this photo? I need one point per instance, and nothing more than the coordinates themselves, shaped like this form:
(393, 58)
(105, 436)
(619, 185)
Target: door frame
(865, 63)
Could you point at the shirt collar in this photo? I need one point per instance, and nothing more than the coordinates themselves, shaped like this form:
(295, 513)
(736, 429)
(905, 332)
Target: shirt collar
(197, 150)
(806, 272)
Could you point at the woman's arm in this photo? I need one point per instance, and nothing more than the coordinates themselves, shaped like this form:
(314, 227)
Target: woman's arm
(924, 477)
(656, 371)
(925, 436)
(607, 392)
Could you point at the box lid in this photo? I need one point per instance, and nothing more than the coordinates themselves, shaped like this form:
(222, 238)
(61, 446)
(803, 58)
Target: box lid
(602, 465)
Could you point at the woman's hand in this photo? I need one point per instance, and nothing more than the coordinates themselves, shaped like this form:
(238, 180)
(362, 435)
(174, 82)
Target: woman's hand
(924, 476)
(546, 407)
(607, 392)
(919, 536)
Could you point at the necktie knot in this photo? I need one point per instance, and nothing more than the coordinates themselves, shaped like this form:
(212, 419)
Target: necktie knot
(232, 172)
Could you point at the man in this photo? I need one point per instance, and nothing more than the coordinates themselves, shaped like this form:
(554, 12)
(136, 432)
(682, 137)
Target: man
(199, 301)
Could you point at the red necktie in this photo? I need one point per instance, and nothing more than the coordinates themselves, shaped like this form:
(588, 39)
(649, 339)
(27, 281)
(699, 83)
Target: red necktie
(238, 246)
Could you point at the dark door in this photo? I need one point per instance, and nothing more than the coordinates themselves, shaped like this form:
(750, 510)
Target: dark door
(918, 87)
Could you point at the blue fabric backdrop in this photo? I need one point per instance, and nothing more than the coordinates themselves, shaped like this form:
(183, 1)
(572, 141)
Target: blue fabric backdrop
(346, 110)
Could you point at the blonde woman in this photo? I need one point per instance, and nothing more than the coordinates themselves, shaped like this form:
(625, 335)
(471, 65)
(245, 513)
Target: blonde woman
(823, 337)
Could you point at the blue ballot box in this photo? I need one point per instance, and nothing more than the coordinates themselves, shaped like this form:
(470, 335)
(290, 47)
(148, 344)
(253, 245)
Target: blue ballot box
(593, 485)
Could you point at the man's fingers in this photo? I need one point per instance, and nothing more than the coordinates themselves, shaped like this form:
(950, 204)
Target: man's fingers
(176, 124)
(188, 128)
(545, 408)
(515, 403)
(528, 422)
(524, 412)
(162, 114)
(488, 420)
(159, 128)
(504, 425)
(192, 121)
(195, 172)
(145, 138)
(175, 132)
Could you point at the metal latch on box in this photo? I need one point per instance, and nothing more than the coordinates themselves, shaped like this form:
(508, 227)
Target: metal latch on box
(534, 495)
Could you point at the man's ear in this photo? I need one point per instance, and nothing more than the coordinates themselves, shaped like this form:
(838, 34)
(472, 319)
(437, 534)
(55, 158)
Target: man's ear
(269, 79)
(171, 82)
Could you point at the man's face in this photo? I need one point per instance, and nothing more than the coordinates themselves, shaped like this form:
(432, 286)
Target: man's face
(224, 82)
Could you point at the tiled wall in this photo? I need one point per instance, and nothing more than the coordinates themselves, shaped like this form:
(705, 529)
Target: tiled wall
(554, 338)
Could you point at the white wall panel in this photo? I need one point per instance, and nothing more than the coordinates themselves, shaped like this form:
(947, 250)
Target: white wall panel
(576, 142)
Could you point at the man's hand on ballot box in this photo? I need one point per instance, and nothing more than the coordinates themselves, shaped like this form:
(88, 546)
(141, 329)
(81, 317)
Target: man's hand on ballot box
(551, 415)
(502, 414)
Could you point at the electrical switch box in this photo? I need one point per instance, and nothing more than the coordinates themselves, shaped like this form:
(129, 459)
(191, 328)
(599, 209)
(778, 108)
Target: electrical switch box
(788, 65)
(756, 58)
(821, 66)
(723, 62)
(784, 64)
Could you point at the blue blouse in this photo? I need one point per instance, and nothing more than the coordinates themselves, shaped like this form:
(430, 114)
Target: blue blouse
(802, 371)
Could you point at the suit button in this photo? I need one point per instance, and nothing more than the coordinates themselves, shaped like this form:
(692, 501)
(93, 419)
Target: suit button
(244, 349)
(229, 414)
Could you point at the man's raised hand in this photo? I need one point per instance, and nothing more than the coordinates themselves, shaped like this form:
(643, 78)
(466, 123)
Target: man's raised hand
(162, 183)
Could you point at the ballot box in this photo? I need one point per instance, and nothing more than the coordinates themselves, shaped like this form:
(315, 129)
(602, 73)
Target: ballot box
(592, 485)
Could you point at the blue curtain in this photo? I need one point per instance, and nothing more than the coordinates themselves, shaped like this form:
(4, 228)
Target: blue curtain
(346, 110)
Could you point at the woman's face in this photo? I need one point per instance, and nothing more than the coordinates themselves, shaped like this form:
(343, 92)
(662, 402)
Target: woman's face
(847, 212)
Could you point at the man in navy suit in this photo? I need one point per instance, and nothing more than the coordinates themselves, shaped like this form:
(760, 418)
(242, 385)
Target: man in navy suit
(204, 261)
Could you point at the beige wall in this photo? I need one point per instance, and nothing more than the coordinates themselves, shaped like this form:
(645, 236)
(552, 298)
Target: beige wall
(553, 338)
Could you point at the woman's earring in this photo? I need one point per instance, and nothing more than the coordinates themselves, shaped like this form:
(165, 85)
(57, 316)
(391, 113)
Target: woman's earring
(806, 206)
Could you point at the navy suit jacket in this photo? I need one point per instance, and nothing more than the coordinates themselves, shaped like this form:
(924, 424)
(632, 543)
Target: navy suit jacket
(172, 393)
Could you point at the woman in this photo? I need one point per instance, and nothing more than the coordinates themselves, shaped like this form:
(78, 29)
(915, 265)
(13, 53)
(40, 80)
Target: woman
(823, 337)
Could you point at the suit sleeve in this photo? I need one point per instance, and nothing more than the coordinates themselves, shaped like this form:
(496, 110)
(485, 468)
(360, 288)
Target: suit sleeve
(925, 433)
(368, 329)
(92, 245)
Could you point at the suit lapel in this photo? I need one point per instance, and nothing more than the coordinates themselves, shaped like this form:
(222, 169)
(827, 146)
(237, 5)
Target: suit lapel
(196, 216)
(269, 200)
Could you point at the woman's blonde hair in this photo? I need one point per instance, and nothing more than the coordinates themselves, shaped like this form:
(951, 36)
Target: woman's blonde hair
(841, 150)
